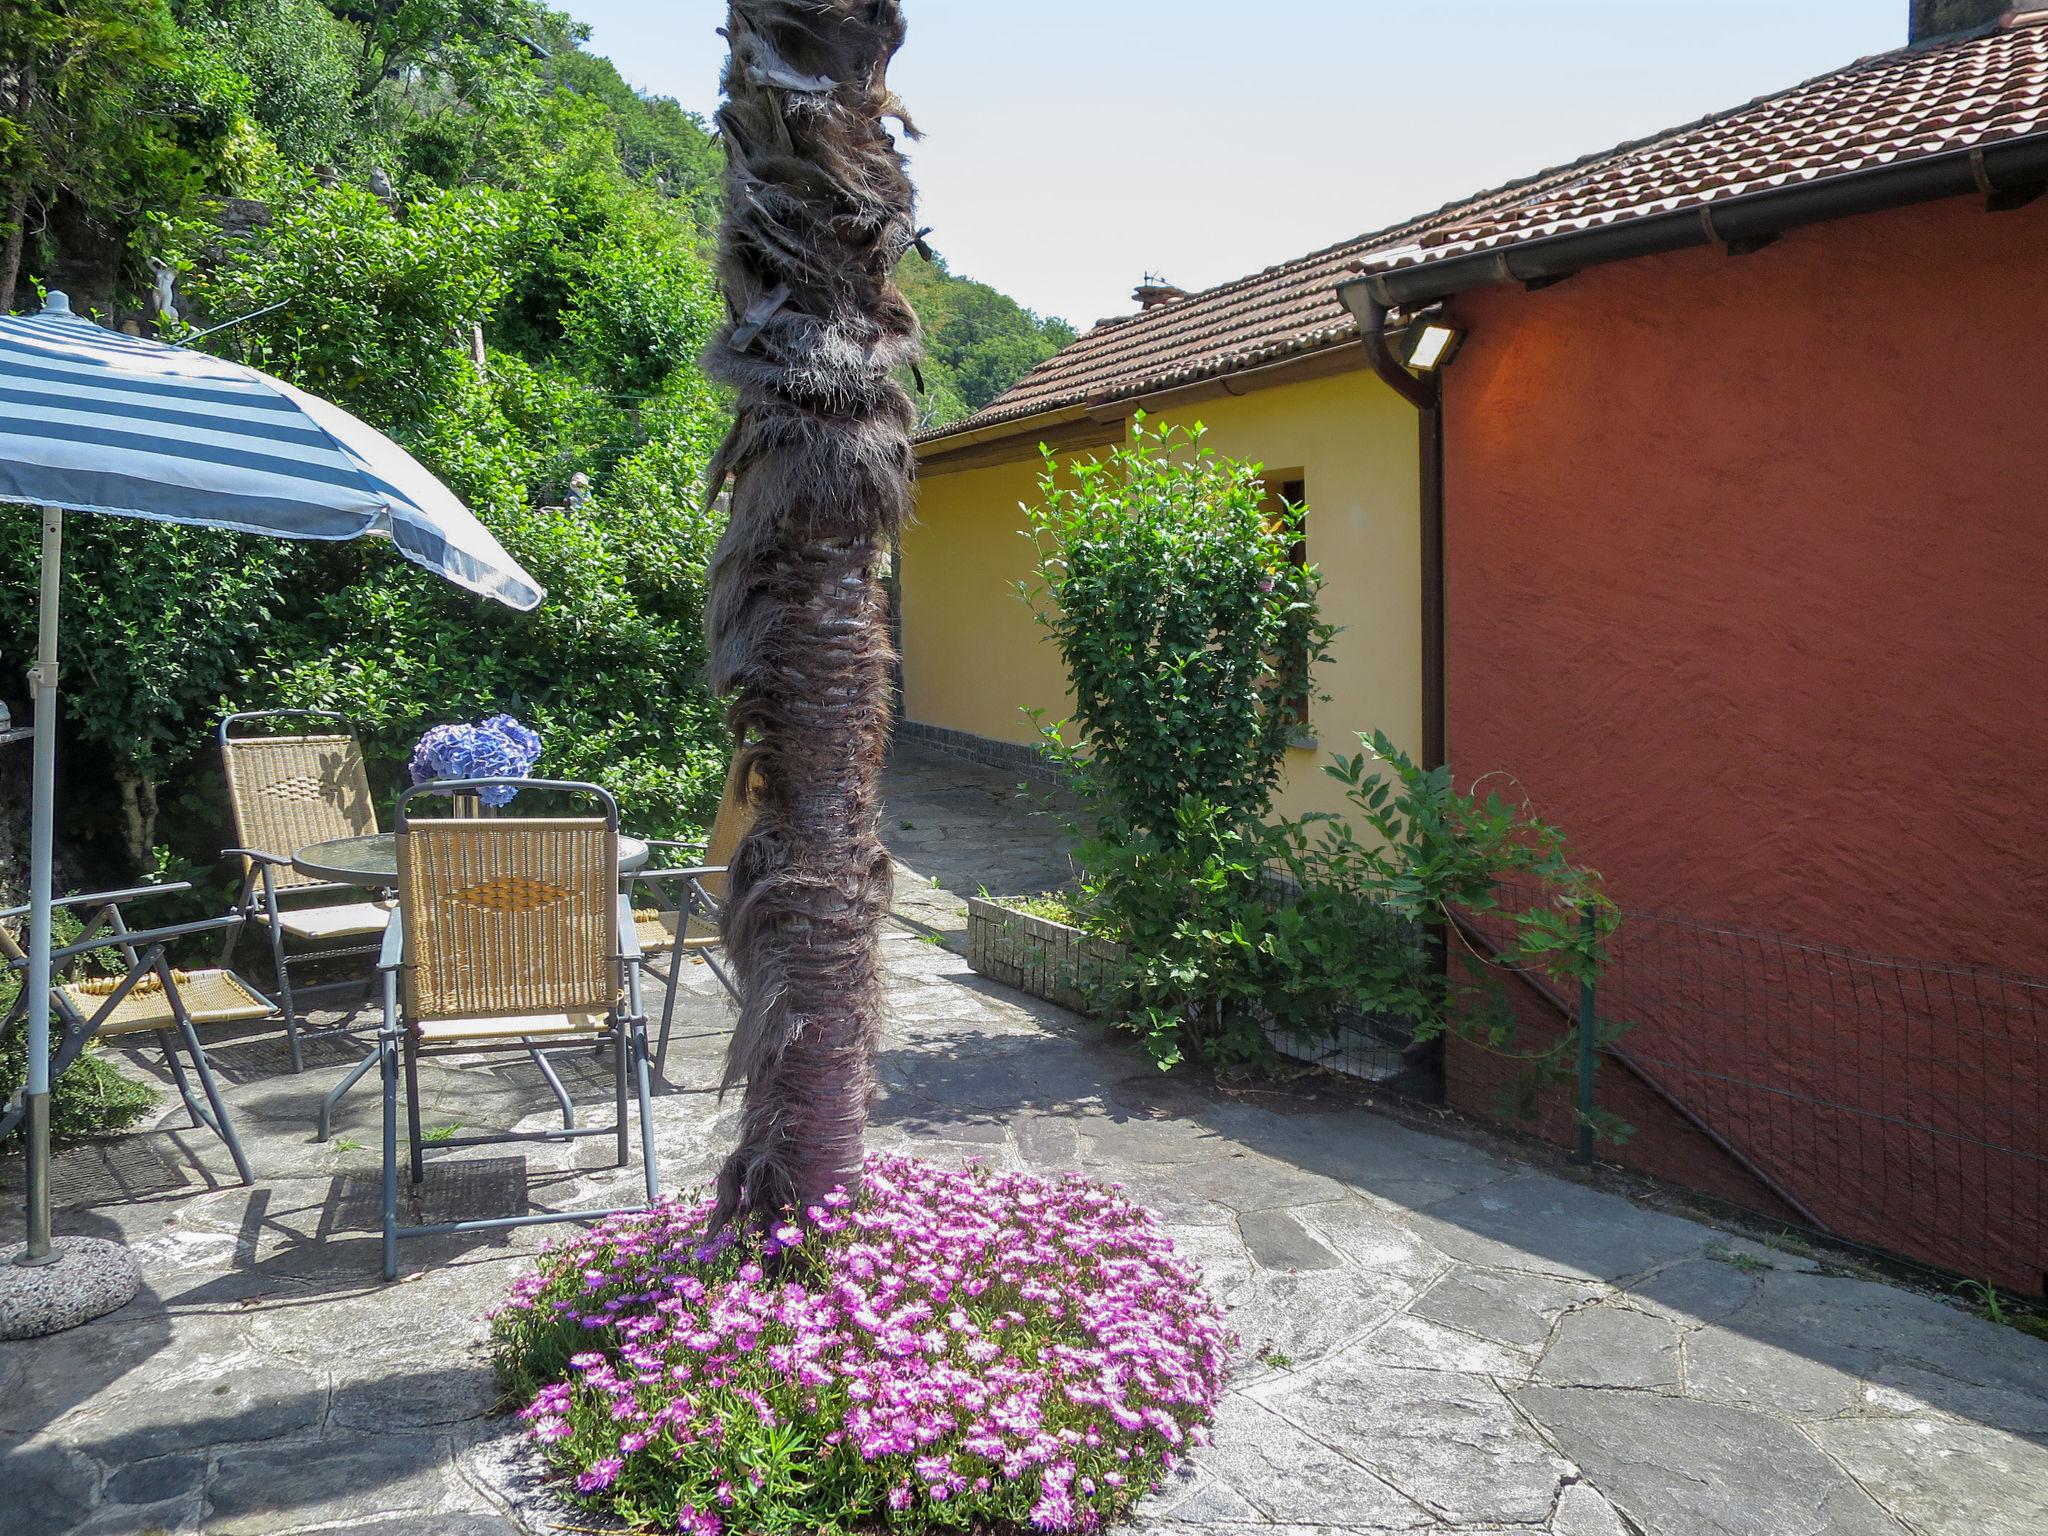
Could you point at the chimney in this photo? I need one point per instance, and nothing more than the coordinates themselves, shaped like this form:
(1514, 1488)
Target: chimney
(1941, 18)
(1156, 290)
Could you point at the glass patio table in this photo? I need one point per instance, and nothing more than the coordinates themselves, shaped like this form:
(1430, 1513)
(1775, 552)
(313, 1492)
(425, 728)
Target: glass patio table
(373, 861)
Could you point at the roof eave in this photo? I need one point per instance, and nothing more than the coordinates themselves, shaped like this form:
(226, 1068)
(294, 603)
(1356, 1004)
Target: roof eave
(2008, 165)
(1009, 426)
(1337, 353)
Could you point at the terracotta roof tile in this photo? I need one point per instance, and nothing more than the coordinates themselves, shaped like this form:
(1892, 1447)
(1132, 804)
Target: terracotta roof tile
(1909, 103)
(1893, 107)
(1283, 310)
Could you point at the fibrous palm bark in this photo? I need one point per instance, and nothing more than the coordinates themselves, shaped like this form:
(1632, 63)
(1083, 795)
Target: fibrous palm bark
(818, 211)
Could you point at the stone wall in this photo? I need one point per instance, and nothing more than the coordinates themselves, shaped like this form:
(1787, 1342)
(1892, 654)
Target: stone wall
(1012, 757)
(1034, 954)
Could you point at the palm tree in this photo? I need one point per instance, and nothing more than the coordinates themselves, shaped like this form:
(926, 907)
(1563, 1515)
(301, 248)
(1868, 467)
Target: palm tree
(818, 211)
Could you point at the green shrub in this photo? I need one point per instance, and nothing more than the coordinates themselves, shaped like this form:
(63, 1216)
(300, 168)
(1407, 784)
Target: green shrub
(158, 626)
(1187, 629)
(1437, 852)
(1188, 633)
(175, 627)
(297, 57)
(1231, 933)
(373, 307)
(90, 1099)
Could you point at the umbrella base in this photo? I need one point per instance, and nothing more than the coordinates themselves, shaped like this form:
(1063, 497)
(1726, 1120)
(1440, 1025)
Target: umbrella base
(86, 1277)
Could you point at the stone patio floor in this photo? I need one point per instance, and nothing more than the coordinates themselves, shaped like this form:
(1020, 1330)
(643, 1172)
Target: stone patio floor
(1437, 1336)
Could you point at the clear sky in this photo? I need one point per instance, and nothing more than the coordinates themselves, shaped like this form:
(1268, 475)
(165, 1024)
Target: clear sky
(1071, 146)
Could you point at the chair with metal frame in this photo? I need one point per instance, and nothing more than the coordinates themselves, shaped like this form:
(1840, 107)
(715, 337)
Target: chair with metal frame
(285, 793)
(510, 934)
(149, 997)
(679, 916)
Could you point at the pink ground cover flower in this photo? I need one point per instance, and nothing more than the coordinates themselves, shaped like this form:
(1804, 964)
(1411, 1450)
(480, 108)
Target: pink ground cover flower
(953, 1349)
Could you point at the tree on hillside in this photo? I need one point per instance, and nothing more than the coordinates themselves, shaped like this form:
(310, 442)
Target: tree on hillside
(300, 60)
(659, 142)
(818, 211)
(463, 39)
(99, 105)
(978, 340)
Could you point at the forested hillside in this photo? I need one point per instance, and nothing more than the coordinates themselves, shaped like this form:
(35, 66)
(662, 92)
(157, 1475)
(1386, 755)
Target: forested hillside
(453, 220)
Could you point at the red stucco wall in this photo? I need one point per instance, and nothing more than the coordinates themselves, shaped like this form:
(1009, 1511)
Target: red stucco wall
(1748, 589)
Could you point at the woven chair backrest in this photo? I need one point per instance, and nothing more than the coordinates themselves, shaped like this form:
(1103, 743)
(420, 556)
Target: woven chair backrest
(287, 792)
(509, 915)
(735, 819)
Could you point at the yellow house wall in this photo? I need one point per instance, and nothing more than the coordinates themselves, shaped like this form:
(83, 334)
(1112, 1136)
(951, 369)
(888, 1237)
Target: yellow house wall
(973, 656)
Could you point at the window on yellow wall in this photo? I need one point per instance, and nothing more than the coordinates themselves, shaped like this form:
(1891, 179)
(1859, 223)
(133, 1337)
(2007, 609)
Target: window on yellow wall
(1284, 489)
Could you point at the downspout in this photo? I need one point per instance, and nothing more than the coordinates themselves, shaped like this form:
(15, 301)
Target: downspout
(1425, 393)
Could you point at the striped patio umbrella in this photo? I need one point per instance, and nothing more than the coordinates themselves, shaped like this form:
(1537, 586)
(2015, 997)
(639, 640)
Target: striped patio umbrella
(94, 421)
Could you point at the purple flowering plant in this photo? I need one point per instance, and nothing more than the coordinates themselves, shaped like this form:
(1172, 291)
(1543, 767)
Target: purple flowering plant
(953, 1350)
(497, 748)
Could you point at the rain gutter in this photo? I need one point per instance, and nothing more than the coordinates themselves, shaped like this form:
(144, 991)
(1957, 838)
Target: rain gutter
(2006, 173)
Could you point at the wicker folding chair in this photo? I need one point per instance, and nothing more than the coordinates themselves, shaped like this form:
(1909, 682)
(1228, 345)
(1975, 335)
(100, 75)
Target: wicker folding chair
(510, 934)
(676, 909)
(149, 997)
(287, 792)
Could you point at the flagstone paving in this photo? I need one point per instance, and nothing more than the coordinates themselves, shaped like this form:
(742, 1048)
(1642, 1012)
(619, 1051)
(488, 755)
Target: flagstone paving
(1435, 1336)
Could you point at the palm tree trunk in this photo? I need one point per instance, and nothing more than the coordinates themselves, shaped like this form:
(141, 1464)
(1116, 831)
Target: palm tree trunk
(818, 211)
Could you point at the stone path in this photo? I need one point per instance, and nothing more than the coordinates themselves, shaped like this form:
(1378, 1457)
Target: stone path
(1435, 1337)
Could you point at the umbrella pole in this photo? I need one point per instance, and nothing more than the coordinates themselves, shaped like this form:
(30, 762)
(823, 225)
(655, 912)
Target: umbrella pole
(42, 840)
(50, 1287)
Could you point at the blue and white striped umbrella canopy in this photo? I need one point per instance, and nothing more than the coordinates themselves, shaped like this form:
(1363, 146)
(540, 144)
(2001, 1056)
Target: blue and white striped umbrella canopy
(95, 421)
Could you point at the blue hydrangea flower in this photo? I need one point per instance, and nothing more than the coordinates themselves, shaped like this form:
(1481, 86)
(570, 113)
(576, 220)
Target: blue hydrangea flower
(497, 748)
(522, 737)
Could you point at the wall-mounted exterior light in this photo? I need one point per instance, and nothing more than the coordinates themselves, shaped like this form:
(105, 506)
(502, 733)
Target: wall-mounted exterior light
(1430, 342)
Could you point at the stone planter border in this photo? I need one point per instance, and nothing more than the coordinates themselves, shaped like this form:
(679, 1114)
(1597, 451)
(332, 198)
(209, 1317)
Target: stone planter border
(1051, 960)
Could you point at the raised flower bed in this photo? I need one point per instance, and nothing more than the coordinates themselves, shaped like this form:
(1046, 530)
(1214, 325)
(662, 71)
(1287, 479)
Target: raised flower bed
(1036, 954)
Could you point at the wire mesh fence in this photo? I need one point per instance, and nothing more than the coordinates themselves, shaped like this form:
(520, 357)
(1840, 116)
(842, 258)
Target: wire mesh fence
(1900, 1104)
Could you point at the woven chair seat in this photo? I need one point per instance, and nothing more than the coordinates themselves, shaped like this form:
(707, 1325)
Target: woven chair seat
(210, 997)
(657, 931)
(511, 1027)
(346, 920)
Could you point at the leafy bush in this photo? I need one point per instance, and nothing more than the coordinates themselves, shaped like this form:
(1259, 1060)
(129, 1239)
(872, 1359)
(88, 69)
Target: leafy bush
(179, 626)
(1167, 579)
(1233, 932)
(158, 626)
(297, 57)
(1188, 631)
(1438, 852)
(969, 1350)
(93, 1097)
(372, 305)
